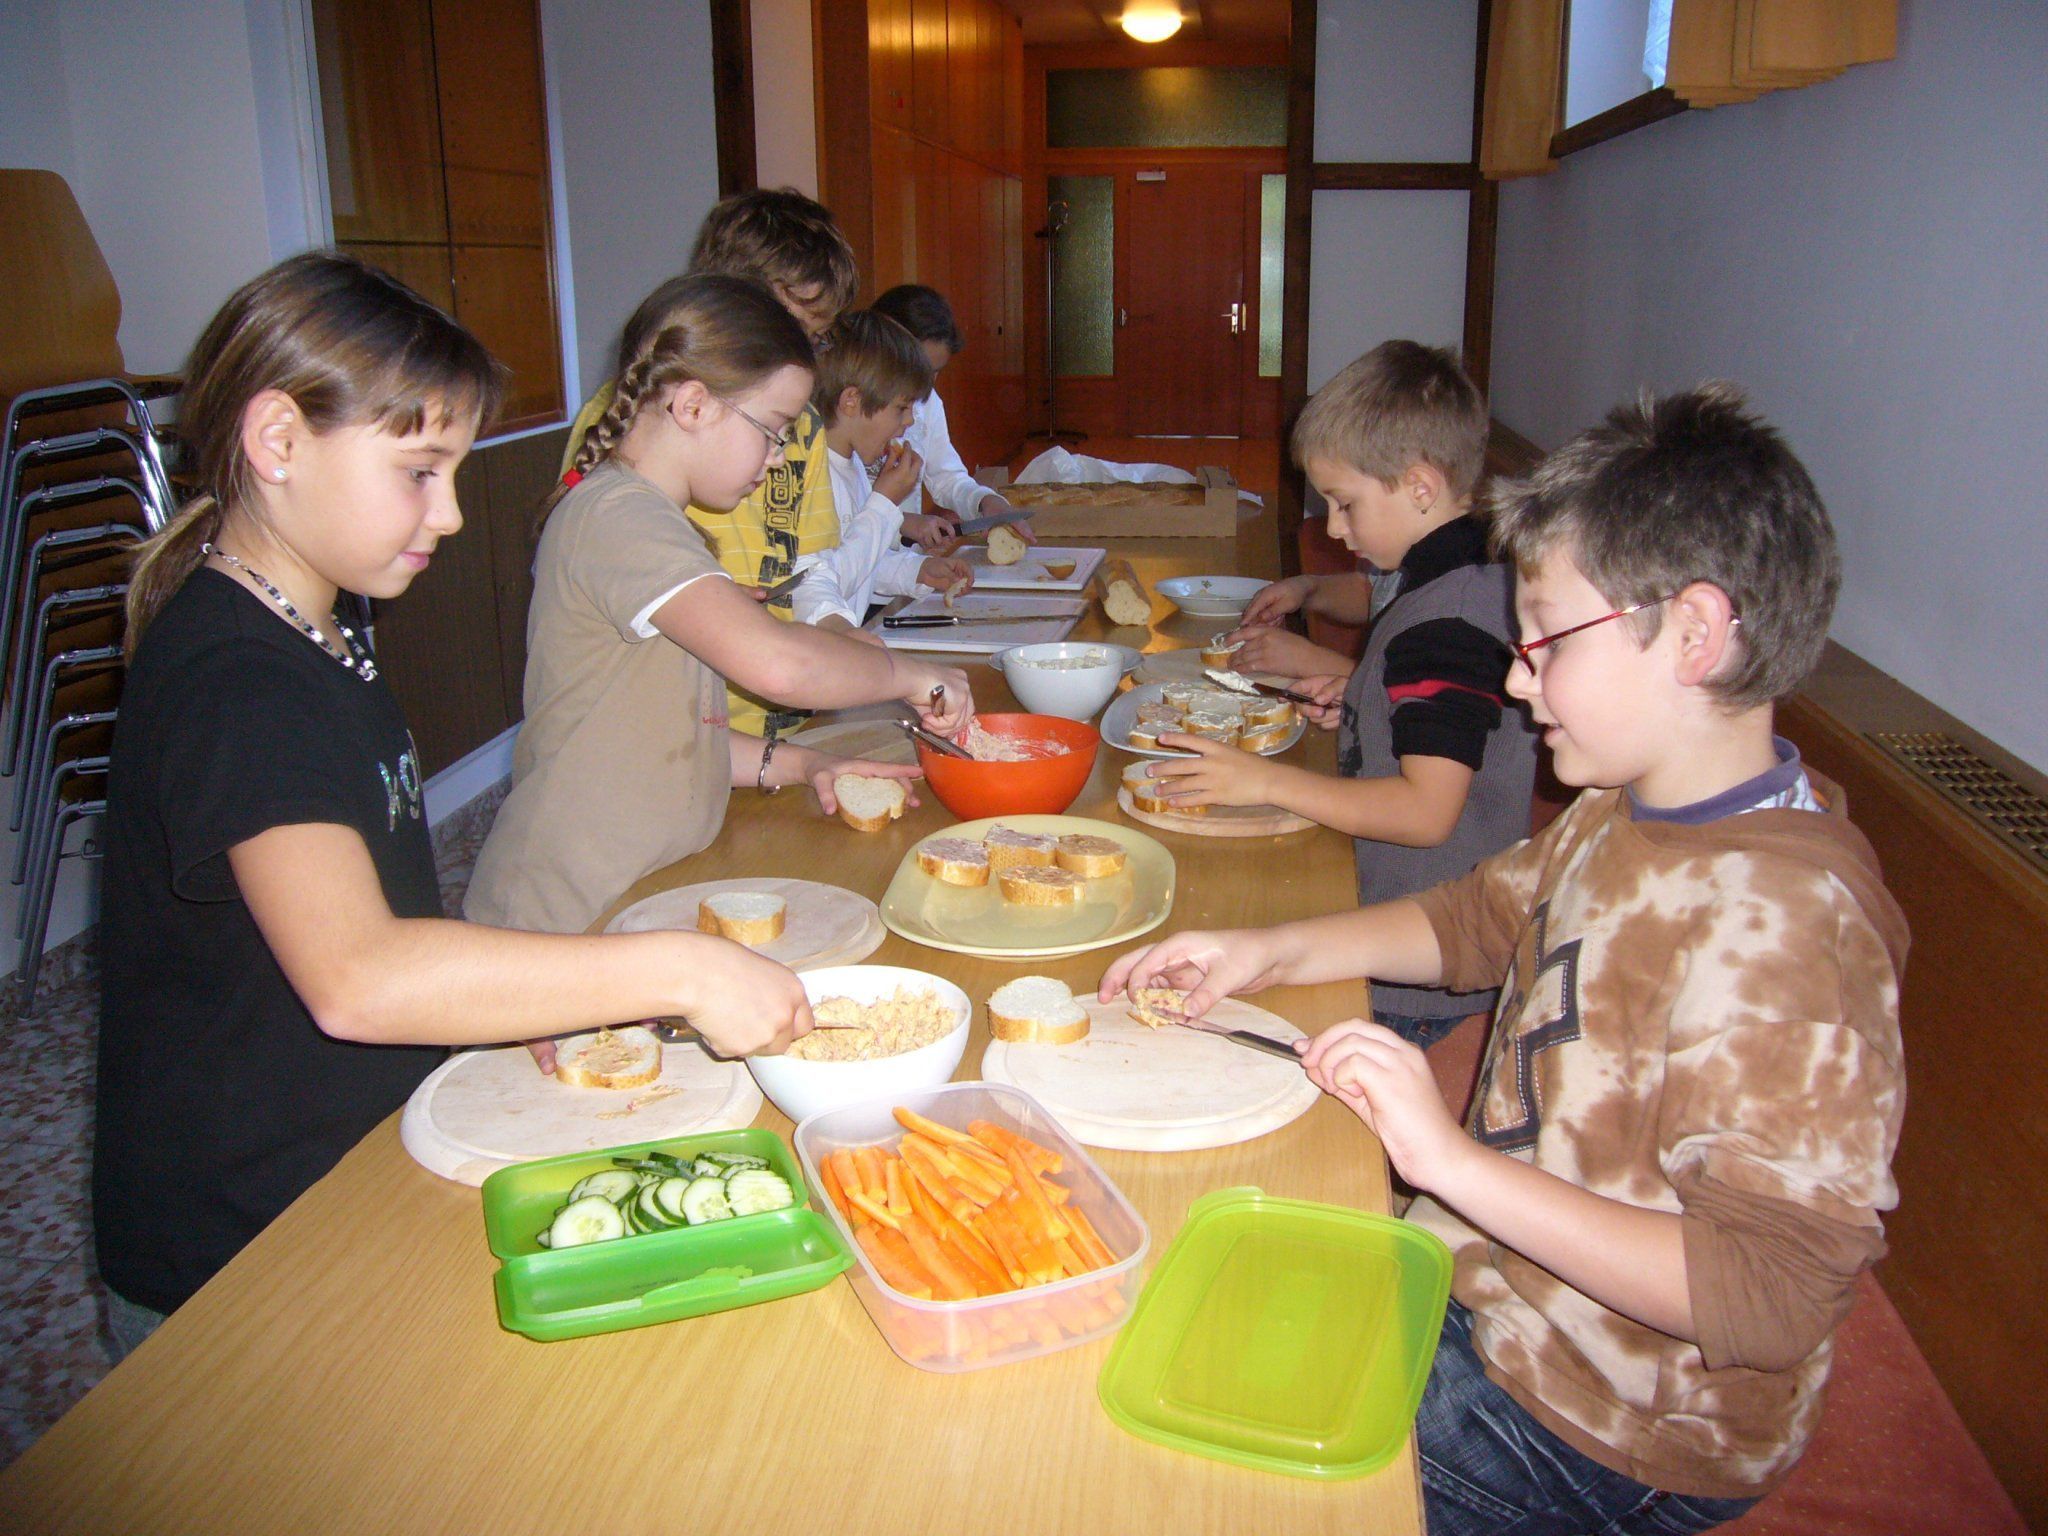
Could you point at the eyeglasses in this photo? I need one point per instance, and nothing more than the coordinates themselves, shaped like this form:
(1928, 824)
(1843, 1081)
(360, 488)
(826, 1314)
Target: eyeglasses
(778, 442)
(1524, 653)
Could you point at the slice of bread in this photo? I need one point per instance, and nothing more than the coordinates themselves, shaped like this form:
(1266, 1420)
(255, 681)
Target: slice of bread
(1010, 849)
(868, 805)
(626, 1057)
(1159, 712)
(752, 918)
(1157, 1007)
(1059, 570)
(954, 861)
(1149, 794)
(1261, 713)
(1144, 734)
(1263, 738)
(1036, 886)
(1090, 857)
(1040, 1010)
(1221, 653)
(1005, 546)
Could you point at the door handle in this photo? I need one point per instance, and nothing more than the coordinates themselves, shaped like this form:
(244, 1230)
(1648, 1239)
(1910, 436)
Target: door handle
(1236, 319)
(1123, 316)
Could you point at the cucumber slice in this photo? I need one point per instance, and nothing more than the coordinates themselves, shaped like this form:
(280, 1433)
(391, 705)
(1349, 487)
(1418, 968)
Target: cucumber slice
(652, 1217)
(753, 1190)
(593, 1219)
(706, 1166)
(704, 1200)
(668, 1194)
(615, 1184)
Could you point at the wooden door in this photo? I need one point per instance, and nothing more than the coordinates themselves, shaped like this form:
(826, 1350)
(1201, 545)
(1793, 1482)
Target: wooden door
(1180, 348)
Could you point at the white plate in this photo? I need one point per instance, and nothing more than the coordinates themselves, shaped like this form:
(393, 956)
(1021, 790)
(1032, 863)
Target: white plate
(1030, 574)
(1211, 597)
(1118, 719)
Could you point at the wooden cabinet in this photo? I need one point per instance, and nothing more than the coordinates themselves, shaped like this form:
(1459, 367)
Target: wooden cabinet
(930, 113)
(889, 66)
(437, 169)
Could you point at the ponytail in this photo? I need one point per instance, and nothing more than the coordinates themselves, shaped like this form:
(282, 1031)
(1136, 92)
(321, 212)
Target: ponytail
(727, 333)
(162, 564)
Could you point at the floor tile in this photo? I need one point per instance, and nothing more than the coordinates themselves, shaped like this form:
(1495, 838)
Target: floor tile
(44, 1200)
(52, 1351)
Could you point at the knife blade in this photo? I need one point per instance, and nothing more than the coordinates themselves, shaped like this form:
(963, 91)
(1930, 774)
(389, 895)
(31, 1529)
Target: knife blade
(983, 524)
(947, 620)
(787, 585)
(1242, 1037)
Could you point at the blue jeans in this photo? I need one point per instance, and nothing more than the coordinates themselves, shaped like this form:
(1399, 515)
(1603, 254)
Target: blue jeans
(1490, 1469)
(1422, 1032)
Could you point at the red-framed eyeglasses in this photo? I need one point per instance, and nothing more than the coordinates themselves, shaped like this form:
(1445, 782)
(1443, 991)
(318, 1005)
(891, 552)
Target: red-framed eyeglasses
(1524, 653)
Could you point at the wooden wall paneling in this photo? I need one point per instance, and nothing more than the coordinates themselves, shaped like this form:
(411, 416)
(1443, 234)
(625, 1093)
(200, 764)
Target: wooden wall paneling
(493, 121)
(930, 109)
(1017, 243)
(1969, 1240)
(843, 54)
(889, 59)
(377, 94)
(426, 269)
(966, 84)
(893, 204)
(931, 191)
(960, 281)
(1301, 148)
(505, 294)
(438, 645)
(1013, 92)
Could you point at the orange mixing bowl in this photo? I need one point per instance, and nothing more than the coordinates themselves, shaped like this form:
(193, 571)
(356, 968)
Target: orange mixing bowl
(1042, 786)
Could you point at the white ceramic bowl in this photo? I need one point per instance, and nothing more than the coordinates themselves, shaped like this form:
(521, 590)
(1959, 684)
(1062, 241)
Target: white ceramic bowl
(1072, 692)
(1211, 597)
(802, 1088)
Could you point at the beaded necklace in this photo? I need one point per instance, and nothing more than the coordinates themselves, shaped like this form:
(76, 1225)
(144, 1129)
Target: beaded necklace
(350, 654)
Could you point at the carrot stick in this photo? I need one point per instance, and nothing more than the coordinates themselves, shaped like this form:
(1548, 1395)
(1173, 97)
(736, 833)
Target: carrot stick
(865, 1202)
(932, 1173)
(1033, 1198)
(1033, 1252)
(872, 1182)
(958, 1240)
(1054, 1191)
(846, 1171)
(828, 1176)
(991, 1232)
(1070, 1258)
(991, 1162)
(1091, 1243)
(900, 1272)
(999, 1139)
(952, 1285)
(892, 1174)
(911, 1120)
(980, 1183)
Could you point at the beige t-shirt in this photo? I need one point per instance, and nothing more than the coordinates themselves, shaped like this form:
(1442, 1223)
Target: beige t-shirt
(622, 765)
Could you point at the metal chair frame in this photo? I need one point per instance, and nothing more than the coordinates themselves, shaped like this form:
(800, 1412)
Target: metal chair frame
(101, 391)
(27, 785)
(53, 610)
(42, 821)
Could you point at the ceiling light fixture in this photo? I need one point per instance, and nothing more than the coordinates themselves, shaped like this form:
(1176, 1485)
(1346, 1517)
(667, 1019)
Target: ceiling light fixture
(1151, 23)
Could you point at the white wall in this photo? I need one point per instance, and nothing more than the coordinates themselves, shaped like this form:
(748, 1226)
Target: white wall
(639, 153)
(785, 96)
(1866, 256)
(1393, 82)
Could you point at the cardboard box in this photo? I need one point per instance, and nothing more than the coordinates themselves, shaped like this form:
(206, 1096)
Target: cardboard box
(1154, 517)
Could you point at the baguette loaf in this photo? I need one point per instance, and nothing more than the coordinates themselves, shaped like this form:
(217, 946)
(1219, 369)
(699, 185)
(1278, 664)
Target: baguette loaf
(1036, 1009)
(1124, 598)
(627, 1057)
(752, 918)
(868, 804)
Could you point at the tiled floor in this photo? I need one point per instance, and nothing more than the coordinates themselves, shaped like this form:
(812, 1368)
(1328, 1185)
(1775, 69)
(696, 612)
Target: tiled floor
(51, 1347)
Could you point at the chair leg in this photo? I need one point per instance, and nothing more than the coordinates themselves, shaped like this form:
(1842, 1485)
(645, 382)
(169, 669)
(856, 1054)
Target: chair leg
(30, 977)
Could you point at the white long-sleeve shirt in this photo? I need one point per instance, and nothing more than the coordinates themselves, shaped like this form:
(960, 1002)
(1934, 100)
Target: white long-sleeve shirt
(867, 561)
(946, 474)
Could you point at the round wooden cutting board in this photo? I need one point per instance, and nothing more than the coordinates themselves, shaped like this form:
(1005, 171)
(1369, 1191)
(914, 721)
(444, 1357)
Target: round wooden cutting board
(826, 925)
(483, 1110)
(1135, 1089)
(1218, 820)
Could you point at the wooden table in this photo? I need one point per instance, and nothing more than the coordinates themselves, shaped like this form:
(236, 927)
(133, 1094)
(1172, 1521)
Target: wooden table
(346, 1373)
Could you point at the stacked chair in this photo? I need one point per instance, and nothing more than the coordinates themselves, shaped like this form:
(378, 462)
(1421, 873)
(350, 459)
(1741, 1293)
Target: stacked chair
(85, 475)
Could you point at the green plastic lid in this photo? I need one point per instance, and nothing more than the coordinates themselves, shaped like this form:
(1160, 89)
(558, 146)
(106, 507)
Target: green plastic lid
(1283, 1335)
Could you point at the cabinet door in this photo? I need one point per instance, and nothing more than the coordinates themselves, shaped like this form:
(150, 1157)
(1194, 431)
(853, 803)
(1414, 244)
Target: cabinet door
(425, 269)
(379, 114)
(493, 121)
(889, 70)
(506, 295)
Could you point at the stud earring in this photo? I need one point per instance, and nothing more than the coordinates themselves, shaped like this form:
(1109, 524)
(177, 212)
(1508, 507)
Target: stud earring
(277, 474)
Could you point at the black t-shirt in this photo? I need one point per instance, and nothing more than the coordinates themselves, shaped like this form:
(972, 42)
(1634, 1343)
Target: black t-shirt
(220, 1101)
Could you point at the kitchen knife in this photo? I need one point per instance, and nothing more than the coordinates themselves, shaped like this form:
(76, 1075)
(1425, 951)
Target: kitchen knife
(983, 524)
(947, 620)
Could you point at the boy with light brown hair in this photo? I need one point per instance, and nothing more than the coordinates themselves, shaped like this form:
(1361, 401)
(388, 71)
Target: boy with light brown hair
(1676, 1159)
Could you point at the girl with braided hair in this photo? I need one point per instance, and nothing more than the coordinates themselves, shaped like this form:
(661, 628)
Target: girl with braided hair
(626, 759)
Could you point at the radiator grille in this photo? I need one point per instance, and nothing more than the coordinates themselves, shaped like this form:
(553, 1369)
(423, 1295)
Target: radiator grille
(2007, 808)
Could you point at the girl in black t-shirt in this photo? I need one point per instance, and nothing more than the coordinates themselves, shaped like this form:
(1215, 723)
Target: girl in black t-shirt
(273, 955)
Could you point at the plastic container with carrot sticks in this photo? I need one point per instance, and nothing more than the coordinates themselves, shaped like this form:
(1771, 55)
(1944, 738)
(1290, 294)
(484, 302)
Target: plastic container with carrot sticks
(960, 1264)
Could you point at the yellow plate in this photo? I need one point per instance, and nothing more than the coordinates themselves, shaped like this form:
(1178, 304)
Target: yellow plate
(975, 920)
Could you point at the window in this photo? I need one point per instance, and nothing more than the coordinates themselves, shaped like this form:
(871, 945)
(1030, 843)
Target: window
(1161, 108)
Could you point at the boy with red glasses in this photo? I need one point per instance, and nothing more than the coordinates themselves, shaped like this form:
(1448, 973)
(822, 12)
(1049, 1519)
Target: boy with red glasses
(1675, 1164)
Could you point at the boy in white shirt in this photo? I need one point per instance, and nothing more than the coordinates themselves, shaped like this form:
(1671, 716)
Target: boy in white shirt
(925, 313)
(870, 375)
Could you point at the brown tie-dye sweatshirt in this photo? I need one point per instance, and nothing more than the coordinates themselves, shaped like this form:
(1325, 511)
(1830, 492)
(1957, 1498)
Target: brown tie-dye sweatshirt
(1695, 1019)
